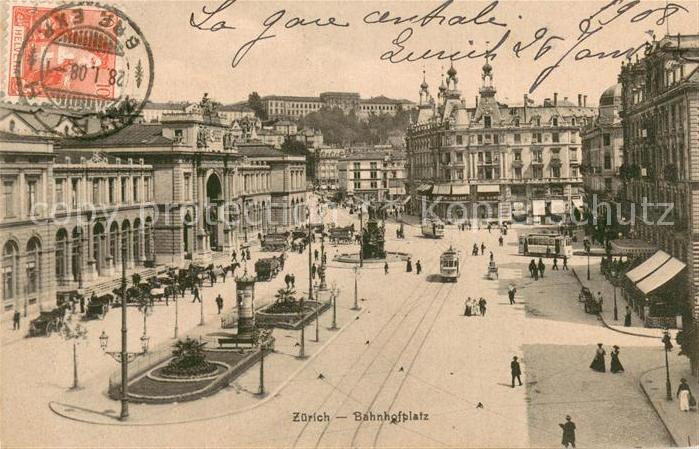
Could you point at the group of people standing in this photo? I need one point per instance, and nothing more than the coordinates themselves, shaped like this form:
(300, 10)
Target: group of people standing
(409, 267)
(598, 363)
(473, 306)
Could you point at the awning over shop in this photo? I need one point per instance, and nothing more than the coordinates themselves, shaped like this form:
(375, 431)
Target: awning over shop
(460, 190)
(558, 206)
(631, 247)
(396, 190)
(650, 265)
(661, 276)
(538, 207)
(489, 188)
(424, 188)
(441, 190)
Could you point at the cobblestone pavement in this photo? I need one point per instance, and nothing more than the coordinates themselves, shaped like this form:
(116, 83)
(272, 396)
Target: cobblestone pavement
(410, 350)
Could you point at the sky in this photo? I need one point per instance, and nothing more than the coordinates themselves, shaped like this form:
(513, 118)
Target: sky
(309, 59)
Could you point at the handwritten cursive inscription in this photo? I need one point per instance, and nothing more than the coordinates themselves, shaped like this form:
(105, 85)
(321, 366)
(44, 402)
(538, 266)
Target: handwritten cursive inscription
(542, 44)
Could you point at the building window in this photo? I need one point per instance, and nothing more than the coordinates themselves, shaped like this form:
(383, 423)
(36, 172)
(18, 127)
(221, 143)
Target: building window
(33, 266)
(518, 155)
(496, 139)
(124, 190)
(480, 139)
(10, 259)
(135, 191)
(374, 184)
(31, 195)
(95, 191)
(74, 193)
(518, 138)
(518, 173)
(607, 161)
(555, 121)
(357, 175)
(555, 138)
(58, 190)
(357, 185)
(8, 193)
(536, 138)
(574, 172)
(187, 187)
(356, 166)
(573, 154)
(555, 172)
(537, 172)
(537, 155)
(459, 139)
(146, 188)
(555, 153)
(607, 140)
(111, 191)
(487, 121)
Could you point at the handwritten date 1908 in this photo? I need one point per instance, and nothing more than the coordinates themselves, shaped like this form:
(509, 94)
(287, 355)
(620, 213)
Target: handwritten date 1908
(269, 23)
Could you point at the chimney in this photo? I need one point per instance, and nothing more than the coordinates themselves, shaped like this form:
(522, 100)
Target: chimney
(555, 98)
(584, 101)
(579, 99)
(476, 100)
(526, 103)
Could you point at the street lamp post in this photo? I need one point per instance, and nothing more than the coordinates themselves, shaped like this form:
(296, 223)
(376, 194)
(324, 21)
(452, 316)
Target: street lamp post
(614, 282)
(668, 385)
(177, 314)
(588, 263)
(356, 305)
(334, 292)
(361, 234)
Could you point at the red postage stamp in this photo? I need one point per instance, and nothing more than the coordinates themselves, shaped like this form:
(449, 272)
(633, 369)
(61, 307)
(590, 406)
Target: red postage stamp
(71, 52)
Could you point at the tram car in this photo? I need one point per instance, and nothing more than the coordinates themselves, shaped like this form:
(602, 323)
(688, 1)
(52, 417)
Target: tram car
(433, 229)
(449, 265)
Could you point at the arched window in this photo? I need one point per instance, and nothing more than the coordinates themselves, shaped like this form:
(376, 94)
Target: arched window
(147, 239)
(12, 126)
(33, 265)
(10, 259)
(136, 241)
(113, 241)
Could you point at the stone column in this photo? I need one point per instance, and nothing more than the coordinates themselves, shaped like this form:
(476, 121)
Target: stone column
(88, 256)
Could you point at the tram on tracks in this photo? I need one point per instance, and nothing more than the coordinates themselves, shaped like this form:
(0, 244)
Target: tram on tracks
(449, 265)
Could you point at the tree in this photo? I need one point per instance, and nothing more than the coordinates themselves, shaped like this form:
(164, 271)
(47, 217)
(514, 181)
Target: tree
(255, 103)
(285, 296)
(74, 332)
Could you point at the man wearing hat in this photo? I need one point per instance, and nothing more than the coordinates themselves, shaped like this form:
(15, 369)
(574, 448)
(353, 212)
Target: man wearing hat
(516, 371)
(568, 432)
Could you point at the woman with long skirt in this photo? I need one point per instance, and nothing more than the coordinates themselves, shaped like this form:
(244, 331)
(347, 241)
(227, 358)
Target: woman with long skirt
(467, 307)
(684, 393)
(615, 365)
(627, 317)
(598, 363)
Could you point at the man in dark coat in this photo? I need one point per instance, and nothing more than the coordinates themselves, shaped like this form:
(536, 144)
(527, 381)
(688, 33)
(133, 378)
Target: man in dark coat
(568, 432)
(565, 263)
(555, 263)
(418, 267)
(482, 248)
(541, 267)
(511, 291)
(219, 303)
(313, 271)
(516, 371)
(15, 320)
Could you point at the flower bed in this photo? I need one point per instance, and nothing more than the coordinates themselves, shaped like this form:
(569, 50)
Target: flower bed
(270, 316)
(204, 370)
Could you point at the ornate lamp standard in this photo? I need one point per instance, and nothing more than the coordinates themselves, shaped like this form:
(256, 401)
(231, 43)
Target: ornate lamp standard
(334, 293)
(587, 250)
(668, 385)
(124, 357)
(356, 272)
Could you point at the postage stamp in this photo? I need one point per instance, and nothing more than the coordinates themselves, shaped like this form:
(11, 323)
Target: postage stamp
(79, 56)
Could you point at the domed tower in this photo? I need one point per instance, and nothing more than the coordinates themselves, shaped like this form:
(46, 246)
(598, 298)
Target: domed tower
(452, 83)
(610, 104)
(424, 91)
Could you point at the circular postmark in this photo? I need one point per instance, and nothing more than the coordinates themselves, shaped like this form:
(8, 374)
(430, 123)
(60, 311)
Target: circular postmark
(87, 60)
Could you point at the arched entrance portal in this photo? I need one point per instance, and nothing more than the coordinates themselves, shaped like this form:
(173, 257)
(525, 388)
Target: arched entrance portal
(214, 198)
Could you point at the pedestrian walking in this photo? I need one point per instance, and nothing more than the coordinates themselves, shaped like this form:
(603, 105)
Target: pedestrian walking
(482, 304)
(385, 268)
(541, 267)
(219, 303)
(474, 307)
(565, 262)
(568, 433)
(548, 252)
(532, 268)
(315, 255)
(475, 250)
(15, 320)
(467, 307)
(684, 394)
(293, 280)
(195, 292)
(627, 317)
(599, 301)
(235, 255)
(598, 363)
(489, 227)
(554, 267)
(409, 266)
(511, 290)
(482, 248)
(615, 365)
(500, 240)
(313, 271)
(247, 254)
(516, 371)
(491, 256)
(418, 267)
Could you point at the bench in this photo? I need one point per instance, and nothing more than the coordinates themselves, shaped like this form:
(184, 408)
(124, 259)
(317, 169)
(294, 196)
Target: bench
(235, 341)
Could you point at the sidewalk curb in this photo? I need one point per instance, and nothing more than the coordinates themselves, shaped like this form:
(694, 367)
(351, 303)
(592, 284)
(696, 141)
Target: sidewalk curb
(604, 322)
(655, 409)
(53, 405)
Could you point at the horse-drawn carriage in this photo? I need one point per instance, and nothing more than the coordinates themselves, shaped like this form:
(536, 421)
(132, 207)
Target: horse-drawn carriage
(276, 242)
(343, 235)
(492, 270)
(98, 307)
(267, 268)
(48, 322)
